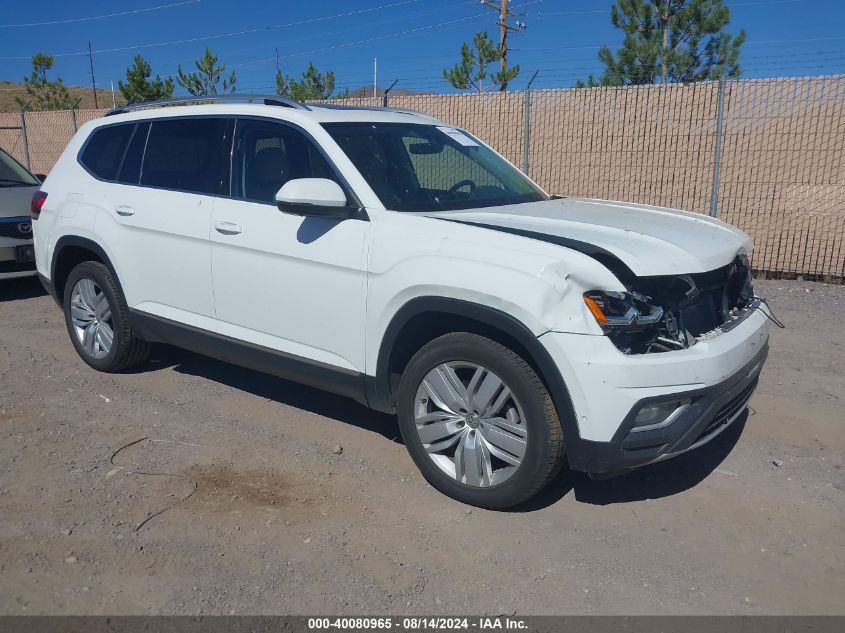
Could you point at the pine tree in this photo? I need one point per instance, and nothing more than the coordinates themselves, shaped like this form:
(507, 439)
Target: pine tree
(670, 41)
(139, 88)
(204, 82)
(471, 71)
(42, 93)
(314, 85)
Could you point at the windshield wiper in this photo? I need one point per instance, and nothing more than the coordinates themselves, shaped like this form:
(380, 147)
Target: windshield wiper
(15, 182)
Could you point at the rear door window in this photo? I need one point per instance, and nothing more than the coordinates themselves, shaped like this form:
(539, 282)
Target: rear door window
(130, 168)
(187, 155)
(104, 151)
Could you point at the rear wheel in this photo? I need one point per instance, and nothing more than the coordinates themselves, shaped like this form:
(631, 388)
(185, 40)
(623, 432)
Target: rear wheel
(478, 421)
(97, 320)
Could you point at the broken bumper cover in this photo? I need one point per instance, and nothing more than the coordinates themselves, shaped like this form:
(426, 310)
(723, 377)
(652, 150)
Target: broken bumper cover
(709, 411)
(705, 386)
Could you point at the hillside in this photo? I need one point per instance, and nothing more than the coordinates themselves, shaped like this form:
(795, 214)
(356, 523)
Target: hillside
(10, 89)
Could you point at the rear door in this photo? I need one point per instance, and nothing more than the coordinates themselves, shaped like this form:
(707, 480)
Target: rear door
(289, 283)
(159, 212)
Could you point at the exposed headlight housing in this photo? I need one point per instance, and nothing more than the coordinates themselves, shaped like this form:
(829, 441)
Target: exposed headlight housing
(622, 309)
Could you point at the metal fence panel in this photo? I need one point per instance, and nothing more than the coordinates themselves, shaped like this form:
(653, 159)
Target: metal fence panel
(783, 171)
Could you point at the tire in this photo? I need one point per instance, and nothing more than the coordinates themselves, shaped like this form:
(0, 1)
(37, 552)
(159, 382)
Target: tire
(93, 283)
(505, 455)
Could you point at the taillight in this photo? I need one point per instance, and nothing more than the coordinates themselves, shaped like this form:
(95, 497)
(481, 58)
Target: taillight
(38, 199)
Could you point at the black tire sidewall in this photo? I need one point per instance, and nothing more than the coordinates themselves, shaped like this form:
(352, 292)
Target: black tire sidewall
(94, 271)
(459, 347)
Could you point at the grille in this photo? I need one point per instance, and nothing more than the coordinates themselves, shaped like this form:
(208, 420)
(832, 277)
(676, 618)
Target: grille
(12, 229)
(728, 412)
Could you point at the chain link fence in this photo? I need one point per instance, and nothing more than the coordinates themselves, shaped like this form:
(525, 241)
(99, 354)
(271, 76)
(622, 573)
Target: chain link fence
(767, 155)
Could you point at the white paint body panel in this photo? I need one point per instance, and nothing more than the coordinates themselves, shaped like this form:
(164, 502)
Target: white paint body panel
(291, 283)
(168, 232)
(649, 240)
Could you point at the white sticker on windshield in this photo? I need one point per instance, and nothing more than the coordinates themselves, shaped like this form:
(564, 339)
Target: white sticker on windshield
(457, 135)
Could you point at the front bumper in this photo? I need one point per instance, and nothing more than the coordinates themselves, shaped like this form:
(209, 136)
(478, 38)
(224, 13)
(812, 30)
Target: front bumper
(715, 379)
(711, 411)
(15, 260)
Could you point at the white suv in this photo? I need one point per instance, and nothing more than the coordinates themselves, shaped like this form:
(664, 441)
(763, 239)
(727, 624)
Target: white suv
(389, 257)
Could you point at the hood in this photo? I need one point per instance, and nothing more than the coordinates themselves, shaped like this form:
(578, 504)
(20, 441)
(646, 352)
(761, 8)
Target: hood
(15, 201)
(648, 240)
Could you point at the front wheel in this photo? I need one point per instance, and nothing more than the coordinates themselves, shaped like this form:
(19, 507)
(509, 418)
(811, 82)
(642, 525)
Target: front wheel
(97, 320)
(478, 421)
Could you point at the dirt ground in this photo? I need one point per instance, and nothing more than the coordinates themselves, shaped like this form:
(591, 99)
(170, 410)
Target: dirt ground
(259, 514)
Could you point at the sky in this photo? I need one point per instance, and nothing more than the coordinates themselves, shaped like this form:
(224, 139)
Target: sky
(413, 40)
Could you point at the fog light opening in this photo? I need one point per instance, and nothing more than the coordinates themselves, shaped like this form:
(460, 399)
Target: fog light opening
(657, 415)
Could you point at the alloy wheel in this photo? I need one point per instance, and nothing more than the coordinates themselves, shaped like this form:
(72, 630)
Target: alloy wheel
(92, 318)
(470, 423)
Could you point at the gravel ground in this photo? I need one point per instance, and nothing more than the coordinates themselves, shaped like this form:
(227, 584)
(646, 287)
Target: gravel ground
(268, 497)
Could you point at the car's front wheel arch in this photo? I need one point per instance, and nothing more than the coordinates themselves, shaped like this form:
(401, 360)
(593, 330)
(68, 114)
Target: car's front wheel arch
(423, 319)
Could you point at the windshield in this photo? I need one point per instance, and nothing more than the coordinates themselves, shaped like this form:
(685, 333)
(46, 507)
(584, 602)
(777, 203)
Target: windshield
(414, 167)
(13, 174)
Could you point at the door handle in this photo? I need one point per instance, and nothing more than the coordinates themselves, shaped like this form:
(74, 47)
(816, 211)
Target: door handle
(124, 209)
(227, 228)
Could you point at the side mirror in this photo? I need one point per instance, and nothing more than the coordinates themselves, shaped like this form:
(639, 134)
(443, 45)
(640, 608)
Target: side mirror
(319, 197)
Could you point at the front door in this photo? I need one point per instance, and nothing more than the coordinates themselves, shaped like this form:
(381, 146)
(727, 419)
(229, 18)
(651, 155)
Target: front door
(293, 284)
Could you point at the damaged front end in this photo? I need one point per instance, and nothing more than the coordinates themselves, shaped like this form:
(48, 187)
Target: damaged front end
(666, 313)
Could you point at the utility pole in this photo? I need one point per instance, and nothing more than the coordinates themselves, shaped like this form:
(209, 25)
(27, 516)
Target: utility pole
(504, 13)
(277, 60)
(93, 83)
(113, 101)
(375, 80)
(503, 35)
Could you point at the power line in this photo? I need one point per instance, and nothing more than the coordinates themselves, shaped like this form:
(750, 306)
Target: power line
(100, 17)
(357, 42)
(232, 34)
(809, 39)
(322, 34)
(389, 35)
(732, 5)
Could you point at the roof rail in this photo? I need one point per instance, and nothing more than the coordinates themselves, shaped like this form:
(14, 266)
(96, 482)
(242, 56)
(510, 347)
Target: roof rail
(271, 100)
(340, 106)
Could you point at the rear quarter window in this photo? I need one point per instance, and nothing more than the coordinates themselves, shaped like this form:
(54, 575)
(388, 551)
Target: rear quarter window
(103, 153)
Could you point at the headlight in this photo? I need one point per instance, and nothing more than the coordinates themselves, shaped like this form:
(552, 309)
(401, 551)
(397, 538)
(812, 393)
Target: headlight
(621, 309)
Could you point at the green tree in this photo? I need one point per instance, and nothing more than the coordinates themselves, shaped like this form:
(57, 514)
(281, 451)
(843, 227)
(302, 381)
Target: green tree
(209, 75)
(471, 72)
(139, 87)
(43, 94)
(590, 83)
(313, 86)
(669, 41)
